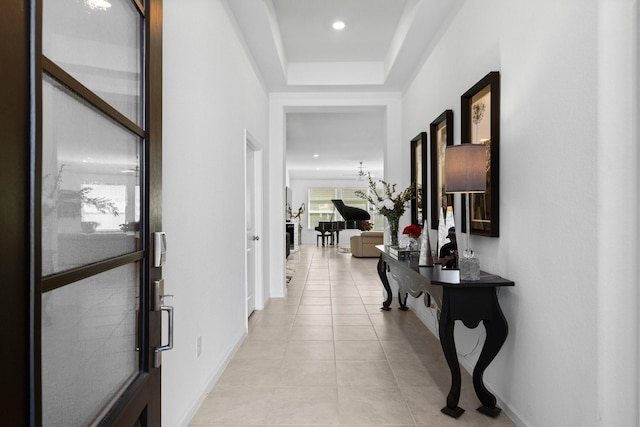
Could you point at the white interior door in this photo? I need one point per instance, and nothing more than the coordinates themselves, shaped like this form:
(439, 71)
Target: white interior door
(253, 210)
(252, 237)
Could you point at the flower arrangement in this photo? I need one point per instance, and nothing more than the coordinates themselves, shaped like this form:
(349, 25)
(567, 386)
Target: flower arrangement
(413, 230)
(296, 215)
(366, 226)
(389, 204)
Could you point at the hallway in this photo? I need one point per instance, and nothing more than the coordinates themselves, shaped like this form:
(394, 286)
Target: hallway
(326, 355)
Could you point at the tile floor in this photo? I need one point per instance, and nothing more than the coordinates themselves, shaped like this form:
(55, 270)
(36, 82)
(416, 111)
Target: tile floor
(326, 355)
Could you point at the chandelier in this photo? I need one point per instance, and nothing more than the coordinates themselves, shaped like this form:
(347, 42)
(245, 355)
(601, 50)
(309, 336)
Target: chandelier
(361, 174)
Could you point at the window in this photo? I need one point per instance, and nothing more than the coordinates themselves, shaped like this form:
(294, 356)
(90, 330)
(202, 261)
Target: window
(350, 199)
(378, 221)
(320, 206)
(106, 205)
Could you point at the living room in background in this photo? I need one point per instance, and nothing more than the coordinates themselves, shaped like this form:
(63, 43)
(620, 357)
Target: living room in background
(322, 209)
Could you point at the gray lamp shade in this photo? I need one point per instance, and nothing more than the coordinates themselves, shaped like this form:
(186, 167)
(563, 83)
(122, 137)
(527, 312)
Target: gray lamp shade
(465, 168)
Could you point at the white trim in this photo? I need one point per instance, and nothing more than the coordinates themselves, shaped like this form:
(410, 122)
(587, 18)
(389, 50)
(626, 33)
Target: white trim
(617, 203)
(282, 103)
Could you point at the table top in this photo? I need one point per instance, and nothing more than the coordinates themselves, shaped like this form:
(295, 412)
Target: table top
(436, 275)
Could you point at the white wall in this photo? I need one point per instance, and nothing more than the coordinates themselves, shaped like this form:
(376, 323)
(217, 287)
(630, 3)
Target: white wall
(211, 94)
(551, 370)
(618, 161)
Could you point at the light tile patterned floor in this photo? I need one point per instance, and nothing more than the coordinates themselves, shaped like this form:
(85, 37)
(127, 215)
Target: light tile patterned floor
(326, 355)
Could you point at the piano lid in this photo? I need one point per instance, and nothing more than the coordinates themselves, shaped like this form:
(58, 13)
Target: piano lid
(350, 213)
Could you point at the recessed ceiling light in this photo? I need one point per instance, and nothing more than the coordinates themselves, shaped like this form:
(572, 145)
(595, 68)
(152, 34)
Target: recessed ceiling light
(316, 155)
(338, 25)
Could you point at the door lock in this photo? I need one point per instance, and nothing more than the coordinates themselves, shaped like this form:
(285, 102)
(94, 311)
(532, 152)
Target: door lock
(159, 248)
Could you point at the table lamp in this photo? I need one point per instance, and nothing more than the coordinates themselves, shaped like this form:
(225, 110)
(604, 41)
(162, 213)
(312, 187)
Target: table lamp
(466, 173)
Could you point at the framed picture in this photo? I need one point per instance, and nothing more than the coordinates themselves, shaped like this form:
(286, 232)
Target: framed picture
(480, 109)
(419, 177)
(441, 136)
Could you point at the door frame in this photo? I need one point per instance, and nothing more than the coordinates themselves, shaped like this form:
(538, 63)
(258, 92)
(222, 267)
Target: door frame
(17, 397)
(251, 143)
(144, 395)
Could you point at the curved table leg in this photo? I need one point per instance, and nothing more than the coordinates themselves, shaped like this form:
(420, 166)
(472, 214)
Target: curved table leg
(382, 272)
(449, 348)
(403, 302)
(497, 331)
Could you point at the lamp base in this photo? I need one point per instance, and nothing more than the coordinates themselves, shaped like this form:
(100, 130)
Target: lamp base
(469, 268)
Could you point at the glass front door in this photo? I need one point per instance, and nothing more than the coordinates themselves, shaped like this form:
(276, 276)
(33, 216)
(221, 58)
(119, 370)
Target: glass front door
(96, 138)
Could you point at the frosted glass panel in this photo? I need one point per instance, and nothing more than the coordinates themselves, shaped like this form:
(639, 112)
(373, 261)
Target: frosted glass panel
(98, 42)
(88, 345)
(90, 183)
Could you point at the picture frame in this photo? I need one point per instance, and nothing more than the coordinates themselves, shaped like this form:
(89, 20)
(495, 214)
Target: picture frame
(480, 124)
(441, 130)
(419, 177)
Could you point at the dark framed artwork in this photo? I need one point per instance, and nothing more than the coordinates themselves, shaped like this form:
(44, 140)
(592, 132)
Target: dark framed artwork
(480, 109)
(441, 136)
(419, 178)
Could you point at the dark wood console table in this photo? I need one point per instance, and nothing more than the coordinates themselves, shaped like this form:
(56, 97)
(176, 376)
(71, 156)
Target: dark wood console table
(468, 301)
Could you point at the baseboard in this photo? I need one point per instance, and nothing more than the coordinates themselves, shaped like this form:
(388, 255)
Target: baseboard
(429, 319)
(213, 379)
(260, 305)
(499, 401)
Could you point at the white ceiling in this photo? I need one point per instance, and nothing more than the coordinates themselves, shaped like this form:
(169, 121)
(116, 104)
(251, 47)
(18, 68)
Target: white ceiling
(295, 49)
(307, 35)
(340, 139)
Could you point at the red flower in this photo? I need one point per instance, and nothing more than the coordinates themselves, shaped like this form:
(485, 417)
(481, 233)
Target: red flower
(413, 230)
(366, 226)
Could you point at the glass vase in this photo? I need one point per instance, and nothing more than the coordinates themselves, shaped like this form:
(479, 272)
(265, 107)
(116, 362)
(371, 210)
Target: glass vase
(413, 244)
(469, 266)
(393, 231)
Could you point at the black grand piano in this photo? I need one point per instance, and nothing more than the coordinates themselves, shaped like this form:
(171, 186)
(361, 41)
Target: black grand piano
(353, 219)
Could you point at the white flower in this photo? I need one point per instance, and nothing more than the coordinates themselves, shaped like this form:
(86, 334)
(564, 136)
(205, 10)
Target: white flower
(380, 204)
(388, 203)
